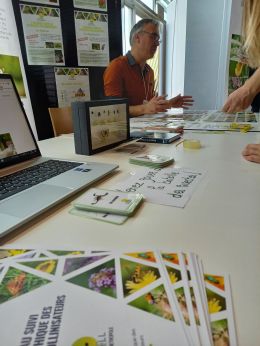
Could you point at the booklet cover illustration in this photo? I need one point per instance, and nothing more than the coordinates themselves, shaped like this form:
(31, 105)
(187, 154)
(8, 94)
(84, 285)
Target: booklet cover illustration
(61, 297)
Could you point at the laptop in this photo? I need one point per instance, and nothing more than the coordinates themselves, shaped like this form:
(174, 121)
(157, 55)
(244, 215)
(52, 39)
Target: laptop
(30, 183)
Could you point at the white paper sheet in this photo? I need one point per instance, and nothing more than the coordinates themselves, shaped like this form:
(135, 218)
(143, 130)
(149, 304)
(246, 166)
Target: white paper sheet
(167, 186)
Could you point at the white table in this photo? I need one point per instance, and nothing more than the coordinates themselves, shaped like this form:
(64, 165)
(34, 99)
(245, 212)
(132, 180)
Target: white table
(221, 222)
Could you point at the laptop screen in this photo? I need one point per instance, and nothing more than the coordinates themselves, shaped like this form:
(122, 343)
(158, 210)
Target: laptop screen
(17, 142)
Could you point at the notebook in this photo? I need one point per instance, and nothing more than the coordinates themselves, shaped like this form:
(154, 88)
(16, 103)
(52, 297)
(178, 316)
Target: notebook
(30, 183)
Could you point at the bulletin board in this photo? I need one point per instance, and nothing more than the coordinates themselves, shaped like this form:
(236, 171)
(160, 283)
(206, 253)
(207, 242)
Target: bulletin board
(61, 25)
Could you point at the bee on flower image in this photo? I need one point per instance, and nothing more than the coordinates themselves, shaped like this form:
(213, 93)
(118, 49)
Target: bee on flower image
(136, 276)
(220, 333)
(139, 279)
(155, 302)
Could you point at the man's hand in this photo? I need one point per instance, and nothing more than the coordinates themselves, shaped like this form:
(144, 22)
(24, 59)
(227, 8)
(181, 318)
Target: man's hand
(252, 153)
(156, 104)
(238, 101)
(181, 102)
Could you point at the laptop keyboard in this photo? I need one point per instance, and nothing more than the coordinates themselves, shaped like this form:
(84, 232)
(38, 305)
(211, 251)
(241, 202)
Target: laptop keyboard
(34, 175)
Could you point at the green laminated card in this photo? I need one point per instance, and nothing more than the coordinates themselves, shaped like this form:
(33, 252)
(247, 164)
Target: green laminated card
(109, 201)
(106, 217)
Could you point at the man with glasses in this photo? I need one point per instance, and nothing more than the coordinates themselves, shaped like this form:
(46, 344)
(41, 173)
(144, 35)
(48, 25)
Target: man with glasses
(131, 77)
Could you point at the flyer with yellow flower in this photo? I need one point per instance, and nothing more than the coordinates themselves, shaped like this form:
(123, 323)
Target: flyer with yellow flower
(74, 297)
(217, 299)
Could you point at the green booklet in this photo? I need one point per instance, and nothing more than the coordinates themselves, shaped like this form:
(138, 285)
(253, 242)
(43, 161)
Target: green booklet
(109, 201)
(152, 160)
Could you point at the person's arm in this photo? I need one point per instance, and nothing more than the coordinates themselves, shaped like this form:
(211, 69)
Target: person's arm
(252, 153)
(159, 104)
(155, 105)
(181, 102)
(242, 98)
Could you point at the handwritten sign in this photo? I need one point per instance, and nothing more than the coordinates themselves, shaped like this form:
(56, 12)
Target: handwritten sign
(167, 186)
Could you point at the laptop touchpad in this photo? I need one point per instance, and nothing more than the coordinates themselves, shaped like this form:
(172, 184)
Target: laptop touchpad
(32, 201)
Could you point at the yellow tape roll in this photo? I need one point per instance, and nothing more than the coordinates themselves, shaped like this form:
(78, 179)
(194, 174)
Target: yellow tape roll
(191, 144)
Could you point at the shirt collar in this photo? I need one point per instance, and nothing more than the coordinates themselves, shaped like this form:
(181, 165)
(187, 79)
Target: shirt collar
(132, 62)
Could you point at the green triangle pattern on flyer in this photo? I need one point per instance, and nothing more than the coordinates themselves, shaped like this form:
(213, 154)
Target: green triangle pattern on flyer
(17, 282)
(47, 266)
(155, 302)
(101, 279)
(72, 264)
(136, 276)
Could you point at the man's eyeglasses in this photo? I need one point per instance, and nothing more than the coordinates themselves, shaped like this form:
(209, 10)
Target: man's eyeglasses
(154, 35)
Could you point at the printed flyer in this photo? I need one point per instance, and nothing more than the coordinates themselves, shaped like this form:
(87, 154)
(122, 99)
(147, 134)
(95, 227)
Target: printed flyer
(98, 5)
(72, 84)
(218, 293)
(92, 38)
(211, 120)
(78, 298)
(43, 36)
(174, 266)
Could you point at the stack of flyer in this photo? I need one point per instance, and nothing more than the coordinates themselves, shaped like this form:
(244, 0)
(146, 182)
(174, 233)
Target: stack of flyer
(152, 160)
(105, 298)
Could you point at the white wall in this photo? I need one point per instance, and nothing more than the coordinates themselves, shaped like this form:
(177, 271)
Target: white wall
(175, 47)
(200, 39)
(9, 45)
(236, 17)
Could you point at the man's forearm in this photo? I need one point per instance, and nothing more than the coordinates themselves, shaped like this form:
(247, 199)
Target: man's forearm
(155, 105)
(137, 110)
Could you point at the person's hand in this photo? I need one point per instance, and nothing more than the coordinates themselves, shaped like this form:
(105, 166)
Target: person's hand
(181, 101)
(252, 153)
(156, 104)
(239, 100)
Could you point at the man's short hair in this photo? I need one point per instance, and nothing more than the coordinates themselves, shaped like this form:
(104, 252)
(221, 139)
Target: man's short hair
(139, 26)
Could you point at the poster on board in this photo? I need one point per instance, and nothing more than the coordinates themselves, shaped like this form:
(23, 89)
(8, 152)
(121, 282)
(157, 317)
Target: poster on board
(238, 68)
(72, 84)
(11, 64)
(97, 5)
(45, 2)
(42, 34)
(9, 52)
(92, 38)
(11, 60)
